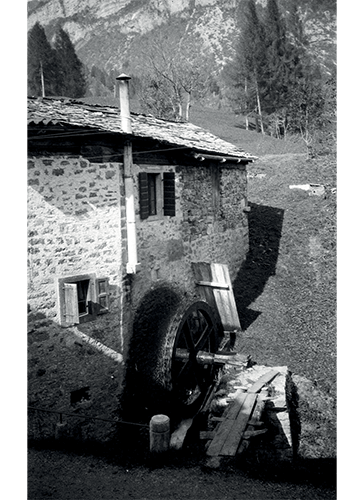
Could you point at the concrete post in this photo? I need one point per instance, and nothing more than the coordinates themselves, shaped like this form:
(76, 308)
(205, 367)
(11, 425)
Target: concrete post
(159, 433)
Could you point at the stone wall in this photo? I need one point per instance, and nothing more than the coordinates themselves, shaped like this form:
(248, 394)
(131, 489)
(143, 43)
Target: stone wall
(210, 225)
(75, 227)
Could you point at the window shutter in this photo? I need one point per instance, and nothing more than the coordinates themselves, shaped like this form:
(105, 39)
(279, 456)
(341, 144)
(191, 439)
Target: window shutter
(103, 294)
(71, 304)
(169, 194)
(143, 195)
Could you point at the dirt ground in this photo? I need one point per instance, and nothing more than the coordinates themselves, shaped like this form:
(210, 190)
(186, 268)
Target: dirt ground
(73, 476)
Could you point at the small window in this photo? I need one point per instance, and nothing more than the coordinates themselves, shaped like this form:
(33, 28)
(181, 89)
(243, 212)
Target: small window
(157, 194)
(82, 298)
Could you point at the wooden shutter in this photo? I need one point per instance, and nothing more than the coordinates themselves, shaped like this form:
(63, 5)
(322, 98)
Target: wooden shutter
(71, 304)
(143, 195)
(214, 286)
(169, 194)
(103, 294)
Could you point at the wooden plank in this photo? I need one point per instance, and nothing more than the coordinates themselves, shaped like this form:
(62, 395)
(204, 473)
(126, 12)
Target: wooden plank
(178, 436)
(220, 437)
(264, 379)
(232, 411)
(225, 427)
(214, 286)
(256, 415)
(232, 442)
(225, 299)
(202, 272)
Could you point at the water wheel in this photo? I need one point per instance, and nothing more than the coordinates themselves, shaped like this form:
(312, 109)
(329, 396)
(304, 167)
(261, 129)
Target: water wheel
(193, 331)
(172, 345)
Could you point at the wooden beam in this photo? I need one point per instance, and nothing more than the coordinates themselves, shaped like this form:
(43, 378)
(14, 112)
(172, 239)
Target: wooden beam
(250, 434)
(267, 377)
(179, 435)
(213, 284)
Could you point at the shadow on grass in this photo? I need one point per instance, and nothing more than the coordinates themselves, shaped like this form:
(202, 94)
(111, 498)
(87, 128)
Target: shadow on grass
(265, 230)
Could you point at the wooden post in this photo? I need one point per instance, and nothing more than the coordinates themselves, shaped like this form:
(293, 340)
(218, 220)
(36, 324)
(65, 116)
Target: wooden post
(159, 433)
(61, 430)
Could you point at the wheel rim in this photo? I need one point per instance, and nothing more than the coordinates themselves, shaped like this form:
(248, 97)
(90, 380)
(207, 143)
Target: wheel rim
(197, 331)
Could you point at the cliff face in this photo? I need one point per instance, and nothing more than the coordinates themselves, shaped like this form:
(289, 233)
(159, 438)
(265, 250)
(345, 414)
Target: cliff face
(113, 34)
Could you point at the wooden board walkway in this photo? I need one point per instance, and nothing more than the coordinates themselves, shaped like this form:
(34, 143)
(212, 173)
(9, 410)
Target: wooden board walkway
(240, 420)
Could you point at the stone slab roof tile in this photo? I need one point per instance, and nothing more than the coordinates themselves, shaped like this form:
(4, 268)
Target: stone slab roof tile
(107, 118)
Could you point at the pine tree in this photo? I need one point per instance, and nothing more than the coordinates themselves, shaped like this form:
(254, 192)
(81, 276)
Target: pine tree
(71, 75)
(248, 69)
(42, 64)
(277, 70)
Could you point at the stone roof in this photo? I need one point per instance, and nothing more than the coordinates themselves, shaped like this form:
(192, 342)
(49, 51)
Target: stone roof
(106, 118)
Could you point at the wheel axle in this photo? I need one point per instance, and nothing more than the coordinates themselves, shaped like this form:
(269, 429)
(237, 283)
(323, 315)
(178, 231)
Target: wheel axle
(203, 357)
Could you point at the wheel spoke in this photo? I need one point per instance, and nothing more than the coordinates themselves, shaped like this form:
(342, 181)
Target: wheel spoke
(196, 332)
(188, 336)
(185, 364)
(203, 338)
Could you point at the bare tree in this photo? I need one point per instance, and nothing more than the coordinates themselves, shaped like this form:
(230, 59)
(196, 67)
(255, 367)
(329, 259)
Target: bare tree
(177, 72)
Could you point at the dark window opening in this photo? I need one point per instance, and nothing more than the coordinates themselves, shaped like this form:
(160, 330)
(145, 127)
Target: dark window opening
(82, 296)
(80, 395)
(152, 193)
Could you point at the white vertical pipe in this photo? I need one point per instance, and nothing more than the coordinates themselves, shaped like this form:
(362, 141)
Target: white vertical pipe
(131, 266)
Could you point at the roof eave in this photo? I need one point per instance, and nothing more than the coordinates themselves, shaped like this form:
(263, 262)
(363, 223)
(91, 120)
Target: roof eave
(224, 158)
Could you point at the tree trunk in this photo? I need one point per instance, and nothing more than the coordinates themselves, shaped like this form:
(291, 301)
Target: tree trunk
(259, 108)
(42, 79)
(188, 105)
(246, 104)
(180, 111)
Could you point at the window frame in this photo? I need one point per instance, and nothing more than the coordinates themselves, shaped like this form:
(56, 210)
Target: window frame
(165, 194)
(69, 300)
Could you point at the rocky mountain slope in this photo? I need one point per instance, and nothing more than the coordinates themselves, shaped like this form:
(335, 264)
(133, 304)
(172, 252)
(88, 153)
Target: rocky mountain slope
(113, 34)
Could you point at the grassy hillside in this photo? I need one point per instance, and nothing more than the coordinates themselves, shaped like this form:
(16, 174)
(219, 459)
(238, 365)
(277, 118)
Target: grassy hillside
(231, 128)
(286, 290)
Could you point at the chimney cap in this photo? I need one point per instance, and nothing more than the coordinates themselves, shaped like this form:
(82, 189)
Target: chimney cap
(123, 76)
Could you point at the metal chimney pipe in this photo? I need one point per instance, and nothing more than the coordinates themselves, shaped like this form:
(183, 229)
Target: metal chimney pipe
(123, 81)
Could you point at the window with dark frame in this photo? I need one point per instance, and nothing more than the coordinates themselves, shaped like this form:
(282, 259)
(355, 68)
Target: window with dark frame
(157, 194)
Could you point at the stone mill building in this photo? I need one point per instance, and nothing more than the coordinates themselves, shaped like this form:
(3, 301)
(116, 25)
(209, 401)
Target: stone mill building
(119, 205)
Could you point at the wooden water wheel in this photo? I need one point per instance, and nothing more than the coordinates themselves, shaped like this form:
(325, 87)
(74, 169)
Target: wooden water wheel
(191, 337)
(172, 355)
